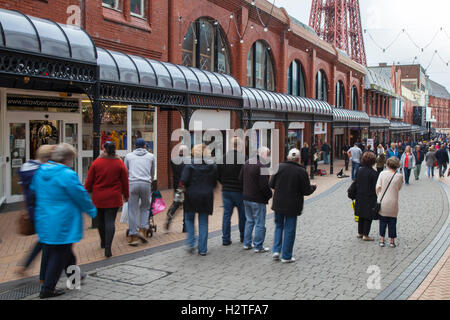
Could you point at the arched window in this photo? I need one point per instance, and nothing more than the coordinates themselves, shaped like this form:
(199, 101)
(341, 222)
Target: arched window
(260, 71)
(321, 86)
(205, 47)
(354, 95)
(340, 95)
(296, 79)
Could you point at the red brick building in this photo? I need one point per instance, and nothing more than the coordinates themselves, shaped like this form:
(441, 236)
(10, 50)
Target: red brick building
(439, 102)
(258, 45)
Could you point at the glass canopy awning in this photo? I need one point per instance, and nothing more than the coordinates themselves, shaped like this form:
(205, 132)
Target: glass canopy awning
(343, 118)
(40, 48)
(379, 123)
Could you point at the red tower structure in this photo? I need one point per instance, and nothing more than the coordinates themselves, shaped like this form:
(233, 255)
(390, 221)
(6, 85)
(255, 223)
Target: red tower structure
(339, 23)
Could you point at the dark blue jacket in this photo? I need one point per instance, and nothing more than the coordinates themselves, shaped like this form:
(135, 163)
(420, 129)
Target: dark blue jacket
(26, 174)
(442, 156)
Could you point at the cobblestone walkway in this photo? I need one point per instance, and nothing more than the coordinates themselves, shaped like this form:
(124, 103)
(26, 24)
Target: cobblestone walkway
(331, 262)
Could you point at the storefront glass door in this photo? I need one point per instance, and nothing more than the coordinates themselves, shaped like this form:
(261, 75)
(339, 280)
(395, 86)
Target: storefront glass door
(27, 132)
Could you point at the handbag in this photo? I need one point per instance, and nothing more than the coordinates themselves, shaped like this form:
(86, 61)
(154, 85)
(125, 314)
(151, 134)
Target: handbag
(351, 192)
(377, 208)
(124, 215)
(25, 226)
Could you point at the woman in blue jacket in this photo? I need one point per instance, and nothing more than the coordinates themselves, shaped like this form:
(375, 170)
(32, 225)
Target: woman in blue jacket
(60, 201)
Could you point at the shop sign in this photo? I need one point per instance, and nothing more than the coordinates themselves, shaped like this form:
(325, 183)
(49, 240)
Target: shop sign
(34, 102)
(320, 128)
(338, 131)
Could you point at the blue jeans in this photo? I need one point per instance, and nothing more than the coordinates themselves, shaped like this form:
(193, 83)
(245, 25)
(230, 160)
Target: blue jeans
(231, 200)
(202, 231)
(255, 214)
(326, 157)
(355, 167)
(285, 229)
(407, 172)
(391, 223)
(430, 171)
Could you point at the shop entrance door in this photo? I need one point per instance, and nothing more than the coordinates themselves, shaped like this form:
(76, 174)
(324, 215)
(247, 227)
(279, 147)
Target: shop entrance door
(26, 133)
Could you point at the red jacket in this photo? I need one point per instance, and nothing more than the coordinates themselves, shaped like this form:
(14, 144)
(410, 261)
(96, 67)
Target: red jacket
(107, 181)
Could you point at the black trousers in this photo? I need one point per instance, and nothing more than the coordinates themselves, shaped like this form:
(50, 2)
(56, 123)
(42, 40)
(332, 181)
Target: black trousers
(364, 226)
(106, 225)
(36, 249)
(58, 258)
(391, 223)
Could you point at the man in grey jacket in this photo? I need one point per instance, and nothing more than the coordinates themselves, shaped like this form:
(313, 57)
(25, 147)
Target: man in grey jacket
(141, 170)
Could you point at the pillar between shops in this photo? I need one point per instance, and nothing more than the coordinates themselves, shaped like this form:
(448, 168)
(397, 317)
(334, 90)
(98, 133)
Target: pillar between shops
(313, 125)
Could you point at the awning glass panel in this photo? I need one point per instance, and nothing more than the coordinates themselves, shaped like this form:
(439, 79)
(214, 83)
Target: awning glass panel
(146, 74)
(53, 40)
(81, 44)
(108, 67)
(192, 81)
(205, 84)
(178, 78)
(127, 69)
(164, 79)
(19, 32)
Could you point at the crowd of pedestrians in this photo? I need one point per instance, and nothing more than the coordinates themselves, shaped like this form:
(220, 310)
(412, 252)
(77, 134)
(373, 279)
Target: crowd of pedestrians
(376, 192)
(56, 199)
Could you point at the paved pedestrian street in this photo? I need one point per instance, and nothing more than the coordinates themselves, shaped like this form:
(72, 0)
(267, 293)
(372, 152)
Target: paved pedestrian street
(331, 262)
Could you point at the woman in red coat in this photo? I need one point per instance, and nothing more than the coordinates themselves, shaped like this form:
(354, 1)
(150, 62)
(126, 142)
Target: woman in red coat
(107, 181)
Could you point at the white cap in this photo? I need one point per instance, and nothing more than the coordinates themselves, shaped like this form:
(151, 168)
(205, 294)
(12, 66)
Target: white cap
(293, 154)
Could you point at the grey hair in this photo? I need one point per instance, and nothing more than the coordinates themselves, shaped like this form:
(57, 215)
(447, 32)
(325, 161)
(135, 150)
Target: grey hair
(263, 151)
(63, 152)
(294, 158)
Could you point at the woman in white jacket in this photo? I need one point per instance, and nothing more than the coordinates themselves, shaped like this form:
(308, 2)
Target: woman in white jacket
(408, 163)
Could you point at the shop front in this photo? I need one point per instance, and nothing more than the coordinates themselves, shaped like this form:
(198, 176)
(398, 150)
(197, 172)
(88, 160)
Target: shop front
(378, 130)
(44, 70)
(295, 135)
(400, 131)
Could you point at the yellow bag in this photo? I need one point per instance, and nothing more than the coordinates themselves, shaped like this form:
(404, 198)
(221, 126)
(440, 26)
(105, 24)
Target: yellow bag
(353, 207)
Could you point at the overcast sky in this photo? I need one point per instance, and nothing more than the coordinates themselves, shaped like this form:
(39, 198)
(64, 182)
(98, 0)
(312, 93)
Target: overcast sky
(385, 19)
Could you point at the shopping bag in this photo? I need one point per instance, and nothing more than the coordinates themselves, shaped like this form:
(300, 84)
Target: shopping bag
(25, 226)
(354, 210)
(124, 216)
(158, 206)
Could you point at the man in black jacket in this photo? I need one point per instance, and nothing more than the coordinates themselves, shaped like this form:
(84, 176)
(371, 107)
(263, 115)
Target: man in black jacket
(442, 159)
(256, 196)
(420, 156)
(291, 183)
(232, 196)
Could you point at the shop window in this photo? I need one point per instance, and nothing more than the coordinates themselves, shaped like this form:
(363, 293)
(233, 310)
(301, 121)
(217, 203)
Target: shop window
(205, 47)
(137, 8)
(340, 95)
(142, 126)
(113, 4)
(296, 80)
(321, 86)
(354, 95)
(260, 70)
(113, 126)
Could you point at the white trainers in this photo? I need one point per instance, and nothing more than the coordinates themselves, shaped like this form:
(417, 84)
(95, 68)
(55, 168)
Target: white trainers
(276, 256)
(288, 261)
(247, 247)
(262, 250)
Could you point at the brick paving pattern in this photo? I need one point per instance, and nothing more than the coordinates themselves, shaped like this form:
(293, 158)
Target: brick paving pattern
(331, 262)
(14, 247)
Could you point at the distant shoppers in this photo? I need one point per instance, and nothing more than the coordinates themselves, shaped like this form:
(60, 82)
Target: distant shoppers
(366, 197)
(346, 157)
(60, 201)
(290, 183)
(305, 154)
(401, 148)
(380, 162)
(256, 196)
(177, 164)
(316, 157)
(389, 184)
(355, 154)
(199, 179)
(26, 174)
(392, 151)
(326, 152)
(108, 182)
(232, 197)
(408, 163)
(141, 170)
(419, 155)
(380, 150)
(442, 160)
(430, 159)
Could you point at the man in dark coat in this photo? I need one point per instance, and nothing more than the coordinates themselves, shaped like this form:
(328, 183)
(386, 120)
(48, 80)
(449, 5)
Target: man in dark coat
(291, 183)
(366, 197)
(229, 171)
(326, 152)
(256, 196)
(420, 156)
(442, 159)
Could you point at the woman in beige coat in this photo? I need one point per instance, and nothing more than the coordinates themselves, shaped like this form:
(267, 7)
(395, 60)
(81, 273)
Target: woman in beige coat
(389, 204)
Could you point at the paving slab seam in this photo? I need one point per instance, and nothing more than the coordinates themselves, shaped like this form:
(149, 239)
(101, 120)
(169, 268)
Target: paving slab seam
(22, 285)
(405, 285)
